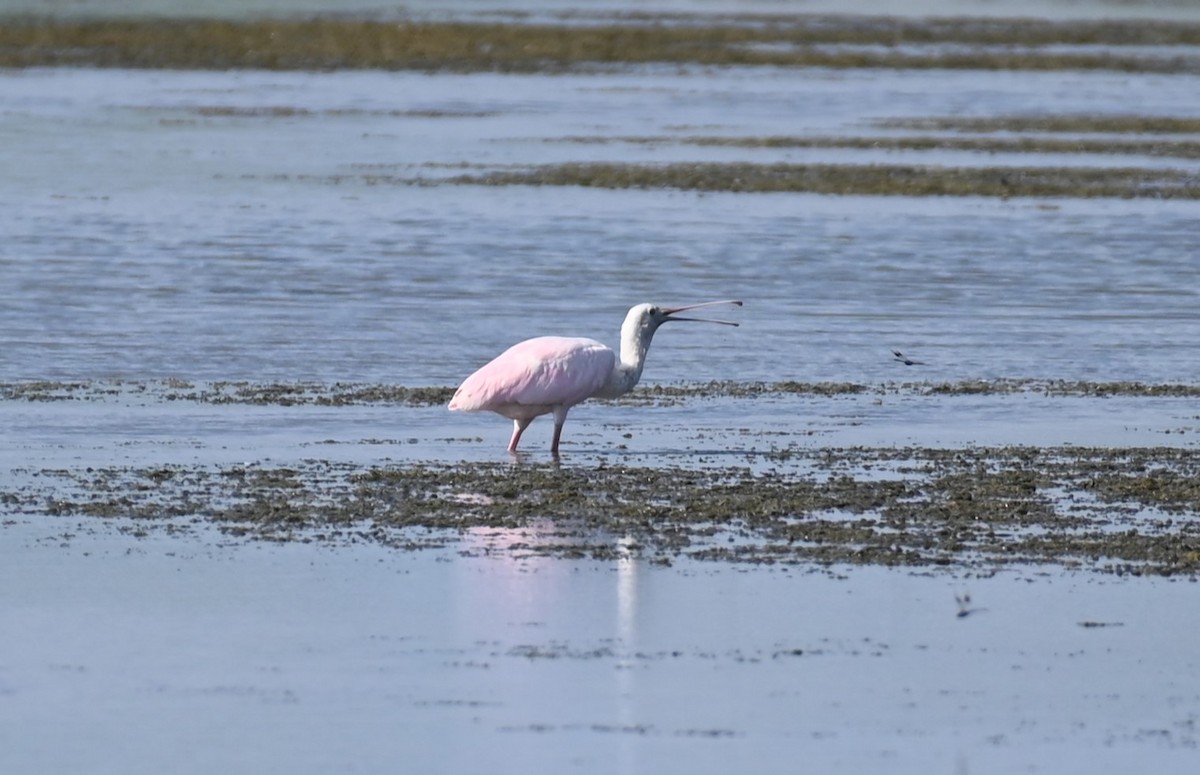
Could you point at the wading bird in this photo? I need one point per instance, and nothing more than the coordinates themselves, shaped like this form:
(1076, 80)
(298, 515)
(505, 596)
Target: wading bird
(553, 373)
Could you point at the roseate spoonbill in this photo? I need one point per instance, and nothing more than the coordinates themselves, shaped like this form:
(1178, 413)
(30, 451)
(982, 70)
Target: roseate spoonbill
(553, 373)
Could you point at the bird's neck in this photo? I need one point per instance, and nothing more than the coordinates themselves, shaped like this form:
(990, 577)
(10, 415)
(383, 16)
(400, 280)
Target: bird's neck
(635, 343)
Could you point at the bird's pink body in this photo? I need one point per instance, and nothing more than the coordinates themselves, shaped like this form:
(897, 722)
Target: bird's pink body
(533, 377)
(550, 374)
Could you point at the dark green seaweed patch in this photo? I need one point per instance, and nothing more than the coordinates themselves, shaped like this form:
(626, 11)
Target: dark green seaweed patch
(348, 393)
(1111, 510)
(1157, 147)
(405, 44)
(1074, 124)
(853, 179)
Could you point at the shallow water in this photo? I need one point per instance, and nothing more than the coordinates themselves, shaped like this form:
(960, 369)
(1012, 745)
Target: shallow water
(249, 226)
(150, 234)
(142, 430)
(120, 656)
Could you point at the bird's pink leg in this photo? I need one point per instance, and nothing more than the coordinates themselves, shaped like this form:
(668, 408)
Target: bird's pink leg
(519, 427)
(560, 417)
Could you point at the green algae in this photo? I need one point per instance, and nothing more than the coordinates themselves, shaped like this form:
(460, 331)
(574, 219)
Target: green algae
(853, 179)
(405, 44)
(1110, 510)
(1075, 124)
(1154, 147)
(912, 180)
(352, 394)
(228, 392)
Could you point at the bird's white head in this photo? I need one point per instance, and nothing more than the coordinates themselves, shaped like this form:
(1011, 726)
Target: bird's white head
(644, 319)
(636, 333)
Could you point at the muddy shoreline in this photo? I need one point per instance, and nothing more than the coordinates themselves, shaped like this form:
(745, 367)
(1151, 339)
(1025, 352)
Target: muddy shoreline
(774, 498)
(982, 509)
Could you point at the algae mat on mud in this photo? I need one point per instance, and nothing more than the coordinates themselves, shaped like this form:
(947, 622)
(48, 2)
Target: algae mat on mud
(778, 41)
(1111, 510)
(872, 179)
(356, 393)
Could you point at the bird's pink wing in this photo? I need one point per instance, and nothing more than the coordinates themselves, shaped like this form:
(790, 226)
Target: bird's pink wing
(546, 371)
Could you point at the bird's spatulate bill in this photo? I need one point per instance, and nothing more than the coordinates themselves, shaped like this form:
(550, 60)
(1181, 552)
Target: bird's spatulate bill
(670, 312)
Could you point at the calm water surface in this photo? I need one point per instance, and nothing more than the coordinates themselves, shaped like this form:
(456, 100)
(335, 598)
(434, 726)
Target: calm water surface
(124, 654)
(161, 224)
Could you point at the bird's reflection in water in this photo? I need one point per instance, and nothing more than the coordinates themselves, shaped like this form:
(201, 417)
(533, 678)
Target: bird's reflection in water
(530, 597)
(626, 673)
(528, 558)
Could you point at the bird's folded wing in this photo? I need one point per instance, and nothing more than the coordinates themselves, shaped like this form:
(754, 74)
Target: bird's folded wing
(546, 371)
